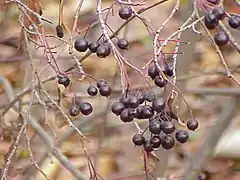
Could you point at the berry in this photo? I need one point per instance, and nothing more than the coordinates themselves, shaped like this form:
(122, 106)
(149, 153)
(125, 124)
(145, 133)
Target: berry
(148, 146)
(168, 142)
(221, 38)
(92, 90)
(234, 22)
(59, 30)
(182, 136)
(219, 12)
(155, 127)
(192, 124)
(145, 112)
(117, 108)
(125, 12)
(124, 116)
(213, 1)
(138, 139)
(105, 90)
(168, 127)
(74, 110)
(101, 82)
(210, 20)
(133, 102)
(158, 105)
(149, 97)
(133, 113)
(103, 51)
(123, 44)
(64, 80)
(168, 71)
(125, 100)
(141, 98)
(93, 47)
(159, 81)
(153, 72)
(156, 141)
(81, 45)
(85, 108)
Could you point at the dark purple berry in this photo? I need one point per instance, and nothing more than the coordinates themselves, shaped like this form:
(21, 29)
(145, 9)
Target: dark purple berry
(145, 112)
(105, 90)
(213, 1)
(210, 20)
(103, 51)
(149, 97)
(125, 100)
(125, 12)
(138, 139)
(148, 146)
(168, 127)
(168, 142)
(160, 82)
(234, 22)
(85, 108)
(133, 102)
(133, 112)
(101, 82)
(81, 45)
(158, 105)
(219, 12)
(92, 90)
(192, 124)
(74, 110)
(221, 38)
(123, 44)
(156, 141)
(155, 127)
(59, 30)
(141, 98)
(64, 80)
(168, 71)
(124, 116)
(93, 47)
(182, 136)
(153, 72)
(117, 108)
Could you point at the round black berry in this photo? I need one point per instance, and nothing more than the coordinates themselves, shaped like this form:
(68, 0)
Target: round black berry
(138, 139)
(133, 102)
(158, 105)
(92, 90)
(210, 20)
(148, 146)
(156, 141)
(124, 116)
(168, 127)
(123, 44)
(141, 98)
(59, 30)
(182, 136)
(125, 12)
(93, 47)
(117, 108)
(168, 142)
(85, 108)
(145, 112)
(64, 80)
(101, 82)
(125, 100)
(168, 71)
(73, 110)
(133, 112)
(213, 1)
(153, 72)
(81, 45)
(160, 82)
(234, 22)
(221, 38)
(103, 51)
(149, 97)
(105, 90)
(155, 127)
(192, 124)
(219, 12)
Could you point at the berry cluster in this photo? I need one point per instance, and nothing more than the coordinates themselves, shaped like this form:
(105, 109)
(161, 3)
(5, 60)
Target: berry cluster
(147, 106)
(211, 20)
